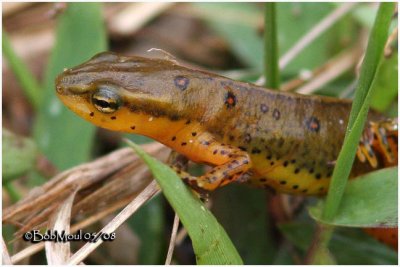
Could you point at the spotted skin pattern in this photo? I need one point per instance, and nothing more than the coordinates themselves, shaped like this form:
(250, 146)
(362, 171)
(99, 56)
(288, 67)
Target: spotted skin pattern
(269, 139)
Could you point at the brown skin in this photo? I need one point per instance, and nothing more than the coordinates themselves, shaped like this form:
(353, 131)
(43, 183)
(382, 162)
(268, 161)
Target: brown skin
(281, 140)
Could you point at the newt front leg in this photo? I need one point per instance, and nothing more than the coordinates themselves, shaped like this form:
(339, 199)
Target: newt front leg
(237, 163)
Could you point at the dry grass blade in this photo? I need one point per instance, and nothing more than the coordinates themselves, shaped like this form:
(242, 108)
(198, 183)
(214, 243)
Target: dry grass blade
(63, 184)
(58, 253)
(150, 191)
(6, 260)
(101, 193)
(172, 241)
(81, 225)
(119, 165)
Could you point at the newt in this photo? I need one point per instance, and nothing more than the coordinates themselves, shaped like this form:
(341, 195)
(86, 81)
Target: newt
(266, 138)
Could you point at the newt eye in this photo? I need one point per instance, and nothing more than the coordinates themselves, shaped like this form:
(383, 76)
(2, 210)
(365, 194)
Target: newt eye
(106, 100)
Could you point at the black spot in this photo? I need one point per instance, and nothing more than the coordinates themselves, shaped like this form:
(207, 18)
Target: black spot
(295, 186)
(285, 163)
(206, 143)
(304, 190)
(311, 171)
(282, 182)
(223, 152)
(113, 118)
(181, 82)
(264, 108)
(318, 176)
(230, 100)
(183, 144)
(269, 157)
(297, 170)
(231, 138)
(293, 161)
(173, 138)
(272, 163)
(263, 180)
(242, 148)
(194, 134)
(276, 114)
(187, 122)
(91, 114)
(133, 127)
(313, 124)
(256, 151)
(215, 151)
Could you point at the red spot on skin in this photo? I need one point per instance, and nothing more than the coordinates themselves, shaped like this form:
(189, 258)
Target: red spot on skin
(230, 100)
(313, 124)
(181, 82)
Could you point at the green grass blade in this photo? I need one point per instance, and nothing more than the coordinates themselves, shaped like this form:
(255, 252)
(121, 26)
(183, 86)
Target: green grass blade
(28, 82)
(63, 137)
(210, 242)
(271, 53)
(369, 201)
(359, 110)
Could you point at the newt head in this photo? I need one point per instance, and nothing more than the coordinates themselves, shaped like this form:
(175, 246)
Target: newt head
(121, 93)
